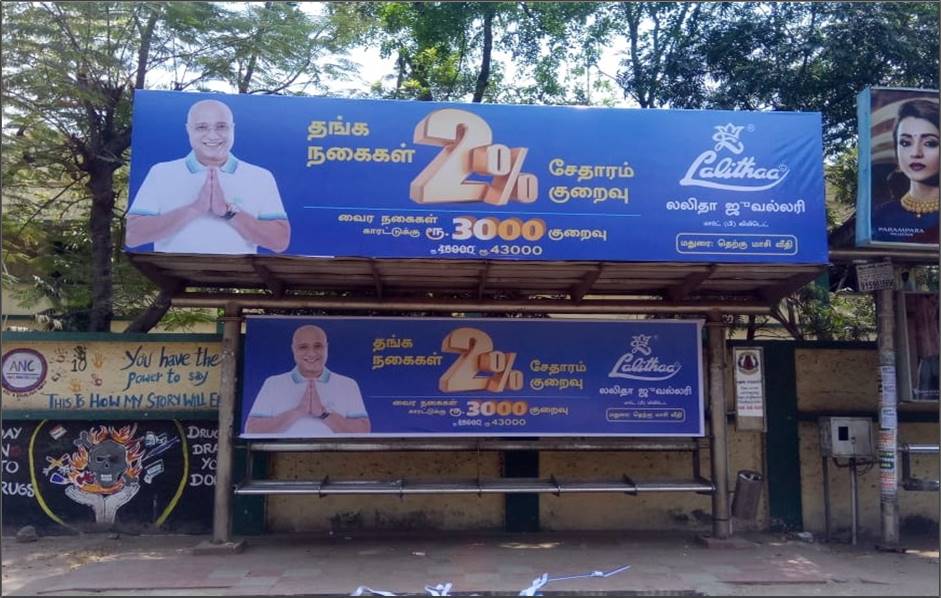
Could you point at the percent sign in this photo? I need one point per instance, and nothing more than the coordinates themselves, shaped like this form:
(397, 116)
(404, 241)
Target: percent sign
(508, 182)
(476, 356)
(468, 148)
(501, 365)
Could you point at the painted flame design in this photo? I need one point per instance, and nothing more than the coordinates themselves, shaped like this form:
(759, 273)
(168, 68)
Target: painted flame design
(134, 455)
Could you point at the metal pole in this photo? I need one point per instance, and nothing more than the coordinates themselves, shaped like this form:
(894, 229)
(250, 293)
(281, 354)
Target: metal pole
(826, 496)
(251, 301)
(854, 498)
(721, 521)
(910, 256)
(888, 428)
(222, 510)
(478, 486)
(460, 444)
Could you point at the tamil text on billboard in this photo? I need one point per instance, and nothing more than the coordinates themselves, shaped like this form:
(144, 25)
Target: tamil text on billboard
(225, 174)
(326, 377)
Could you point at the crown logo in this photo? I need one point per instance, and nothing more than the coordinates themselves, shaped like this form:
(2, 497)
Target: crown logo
(727, 137)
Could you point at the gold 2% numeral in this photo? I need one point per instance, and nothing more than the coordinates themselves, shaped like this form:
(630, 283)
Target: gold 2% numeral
(476, 356)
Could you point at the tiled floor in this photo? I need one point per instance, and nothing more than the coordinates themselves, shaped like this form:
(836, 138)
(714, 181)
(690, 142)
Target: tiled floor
(310, 565)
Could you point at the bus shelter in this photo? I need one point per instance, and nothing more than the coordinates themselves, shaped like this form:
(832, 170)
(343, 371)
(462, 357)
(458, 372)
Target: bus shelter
(371, 207)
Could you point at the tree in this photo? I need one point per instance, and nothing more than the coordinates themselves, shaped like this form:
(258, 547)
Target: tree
(70, 70)
(277, 48)
(446, 51)
(819, 56)
(812, 56)
(663, 65)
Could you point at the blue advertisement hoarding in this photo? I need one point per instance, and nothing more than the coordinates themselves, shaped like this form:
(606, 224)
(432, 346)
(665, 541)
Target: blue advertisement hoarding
(326, 377)
(898, 194)
(227, 174)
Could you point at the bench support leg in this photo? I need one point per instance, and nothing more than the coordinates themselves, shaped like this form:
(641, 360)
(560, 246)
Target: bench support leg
(222, 509)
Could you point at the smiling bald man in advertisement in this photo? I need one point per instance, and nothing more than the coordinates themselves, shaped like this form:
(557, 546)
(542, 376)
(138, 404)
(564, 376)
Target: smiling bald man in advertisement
(310, 400)
(209, 201)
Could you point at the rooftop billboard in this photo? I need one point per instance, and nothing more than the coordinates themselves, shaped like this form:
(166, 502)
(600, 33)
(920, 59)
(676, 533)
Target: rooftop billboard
(245, 174)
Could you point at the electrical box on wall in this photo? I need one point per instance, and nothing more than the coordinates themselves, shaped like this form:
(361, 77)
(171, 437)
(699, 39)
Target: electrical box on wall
(846, 437)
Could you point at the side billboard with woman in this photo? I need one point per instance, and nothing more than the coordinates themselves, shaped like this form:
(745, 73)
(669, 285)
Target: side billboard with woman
(898, 197)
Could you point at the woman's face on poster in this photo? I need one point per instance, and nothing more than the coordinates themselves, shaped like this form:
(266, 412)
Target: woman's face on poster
(918, 148)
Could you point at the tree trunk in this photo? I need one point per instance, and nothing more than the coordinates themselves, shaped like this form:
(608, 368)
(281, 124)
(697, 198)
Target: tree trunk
(101, 187)
(143, 54)
(483, 78)
(789, 323)
(151, 316)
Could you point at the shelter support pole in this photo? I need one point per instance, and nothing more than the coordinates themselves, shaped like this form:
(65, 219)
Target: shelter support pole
(888, 427)
(222, 511)
(721, 522)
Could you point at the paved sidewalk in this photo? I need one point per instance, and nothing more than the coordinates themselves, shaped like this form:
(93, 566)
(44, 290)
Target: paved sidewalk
(660, 564)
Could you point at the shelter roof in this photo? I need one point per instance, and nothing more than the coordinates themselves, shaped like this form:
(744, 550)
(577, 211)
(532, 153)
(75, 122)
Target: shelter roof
(479, 280)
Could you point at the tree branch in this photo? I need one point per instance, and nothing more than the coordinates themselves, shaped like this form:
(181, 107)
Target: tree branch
(143, 54)
(151, 316)
(49, 202)
(483, 78)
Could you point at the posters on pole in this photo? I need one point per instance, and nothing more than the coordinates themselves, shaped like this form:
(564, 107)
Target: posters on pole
(325, 377)
(247, 174)
(749, 387)
(898, 197)
(888, 461)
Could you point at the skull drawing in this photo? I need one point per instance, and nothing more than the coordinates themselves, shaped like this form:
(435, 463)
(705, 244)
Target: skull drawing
(107, 461)
(104, 471)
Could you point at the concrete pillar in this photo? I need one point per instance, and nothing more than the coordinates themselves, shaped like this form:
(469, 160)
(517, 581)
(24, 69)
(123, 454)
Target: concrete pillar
(888, 420)
(721, 522)
(222, 511)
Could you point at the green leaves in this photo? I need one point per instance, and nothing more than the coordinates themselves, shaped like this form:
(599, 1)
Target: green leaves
(773, 55)
(463, 51)
(69, 74)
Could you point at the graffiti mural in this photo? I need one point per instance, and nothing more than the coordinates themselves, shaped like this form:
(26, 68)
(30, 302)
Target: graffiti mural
(109, 374)
(82, 475)
(104, 473)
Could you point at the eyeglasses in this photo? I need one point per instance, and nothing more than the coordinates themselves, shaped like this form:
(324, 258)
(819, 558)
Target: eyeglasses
(218, 128)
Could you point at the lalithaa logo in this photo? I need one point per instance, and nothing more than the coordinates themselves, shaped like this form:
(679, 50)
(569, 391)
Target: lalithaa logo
(731, 173)
(641, 364)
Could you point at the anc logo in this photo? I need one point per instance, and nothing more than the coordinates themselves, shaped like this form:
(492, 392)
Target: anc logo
(23, 371)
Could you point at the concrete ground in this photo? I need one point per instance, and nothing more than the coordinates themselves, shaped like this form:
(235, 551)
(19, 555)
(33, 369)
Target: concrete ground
(660, 564)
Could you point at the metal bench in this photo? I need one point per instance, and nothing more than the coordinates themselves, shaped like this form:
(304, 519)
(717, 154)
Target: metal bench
(552, 485)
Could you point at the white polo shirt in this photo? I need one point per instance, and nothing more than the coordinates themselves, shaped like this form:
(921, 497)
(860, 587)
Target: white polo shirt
(282, 392)
(170, 185)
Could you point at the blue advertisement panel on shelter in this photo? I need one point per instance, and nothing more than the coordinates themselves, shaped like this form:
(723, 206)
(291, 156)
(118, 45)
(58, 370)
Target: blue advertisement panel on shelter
(227, 174)
(898, 194)
(325, 377)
